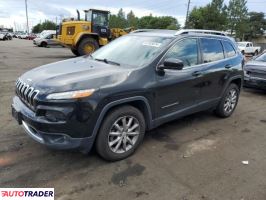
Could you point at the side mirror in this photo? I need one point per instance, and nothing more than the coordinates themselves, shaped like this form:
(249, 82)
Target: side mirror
(172, 63)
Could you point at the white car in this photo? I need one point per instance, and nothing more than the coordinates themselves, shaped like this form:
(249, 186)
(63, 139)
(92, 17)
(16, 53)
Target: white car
(2, 36)
(45, 40)
(23, 36)
(248, 48)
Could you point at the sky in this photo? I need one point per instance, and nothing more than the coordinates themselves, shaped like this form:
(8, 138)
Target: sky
(12, 12)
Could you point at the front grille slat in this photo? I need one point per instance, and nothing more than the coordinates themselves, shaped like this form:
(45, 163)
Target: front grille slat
(26, 93)
(258, 75)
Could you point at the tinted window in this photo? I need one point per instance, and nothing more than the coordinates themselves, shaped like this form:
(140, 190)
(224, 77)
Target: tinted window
(229, 49)
(185, 50)
(261, 58)
(212, 50)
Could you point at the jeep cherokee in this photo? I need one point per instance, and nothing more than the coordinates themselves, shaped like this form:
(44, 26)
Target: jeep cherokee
(110, 98)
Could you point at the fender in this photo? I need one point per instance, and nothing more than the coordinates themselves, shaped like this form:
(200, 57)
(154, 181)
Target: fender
(78, 37)
(119, 102)
(232, 79)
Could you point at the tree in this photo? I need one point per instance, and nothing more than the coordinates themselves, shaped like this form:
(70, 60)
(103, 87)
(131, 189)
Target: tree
(146, 22)
(119, 20)
(132, 20)
(212, 16)
(238, 17)
(256, 24)
(46, 25)
(165, 22)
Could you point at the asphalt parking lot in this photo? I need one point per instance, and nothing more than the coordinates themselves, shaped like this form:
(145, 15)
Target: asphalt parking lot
(196, 157)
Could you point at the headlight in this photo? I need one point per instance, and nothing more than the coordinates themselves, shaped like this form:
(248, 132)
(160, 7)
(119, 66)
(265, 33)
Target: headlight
(71, 94)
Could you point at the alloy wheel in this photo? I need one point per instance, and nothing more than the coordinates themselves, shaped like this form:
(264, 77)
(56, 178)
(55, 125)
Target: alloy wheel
(230, 101)
(124, 134)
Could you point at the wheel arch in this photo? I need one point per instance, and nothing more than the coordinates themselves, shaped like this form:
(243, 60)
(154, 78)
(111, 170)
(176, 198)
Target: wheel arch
(238, 80)
(138, 102)
(86, 35)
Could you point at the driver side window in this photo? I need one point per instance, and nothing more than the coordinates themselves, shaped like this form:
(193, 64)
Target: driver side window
(185, 50)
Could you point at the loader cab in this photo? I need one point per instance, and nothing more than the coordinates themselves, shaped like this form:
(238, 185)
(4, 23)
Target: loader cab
(100, 22)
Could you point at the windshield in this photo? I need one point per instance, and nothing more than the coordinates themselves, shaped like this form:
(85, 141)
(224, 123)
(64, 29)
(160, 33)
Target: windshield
(132, 50)
(240, 44)
(100, 19)
(261, 58)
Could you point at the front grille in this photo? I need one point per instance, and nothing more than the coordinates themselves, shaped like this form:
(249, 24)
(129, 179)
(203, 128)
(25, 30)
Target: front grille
(257, 75)
(26, 93)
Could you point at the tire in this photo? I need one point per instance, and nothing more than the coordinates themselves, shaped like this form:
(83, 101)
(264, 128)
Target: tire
(256, 53)
(228, 102)
(104, 141)
(43, 44)
(75, 52)
(243, 52)
(87, 46)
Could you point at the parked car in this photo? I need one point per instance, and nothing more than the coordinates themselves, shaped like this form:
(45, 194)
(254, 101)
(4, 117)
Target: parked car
(133, 84)
(32, 37)
(45, 40)
(255, 72)
(2, 36)
(8, 36)
(23, 36)
(248, 48)
(45, 32)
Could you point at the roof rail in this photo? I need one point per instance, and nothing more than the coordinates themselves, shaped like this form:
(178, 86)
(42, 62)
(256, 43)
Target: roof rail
(201, 31)
(144, 30)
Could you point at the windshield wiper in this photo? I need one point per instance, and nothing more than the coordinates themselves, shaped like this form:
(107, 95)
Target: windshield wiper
(107, 61)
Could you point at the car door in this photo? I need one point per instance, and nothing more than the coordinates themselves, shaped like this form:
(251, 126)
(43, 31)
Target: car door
(249, 48)
(214, 70)
(50, 39)
(177, 90)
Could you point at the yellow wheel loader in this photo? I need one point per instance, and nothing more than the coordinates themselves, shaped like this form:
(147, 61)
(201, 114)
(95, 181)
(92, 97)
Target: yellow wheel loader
(85, 36)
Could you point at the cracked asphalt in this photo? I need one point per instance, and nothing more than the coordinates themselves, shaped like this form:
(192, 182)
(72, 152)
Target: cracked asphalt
(196, 157)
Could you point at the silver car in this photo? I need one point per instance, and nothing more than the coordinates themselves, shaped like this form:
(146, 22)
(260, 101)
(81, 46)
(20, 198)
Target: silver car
(45, 40)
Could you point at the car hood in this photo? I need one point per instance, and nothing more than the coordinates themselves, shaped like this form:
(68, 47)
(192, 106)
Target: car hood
(75, 74)
(256, 66)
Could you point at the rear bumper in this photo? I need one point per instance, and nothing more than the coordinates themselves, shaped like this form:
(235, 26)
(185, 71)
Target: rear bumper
(255, 83)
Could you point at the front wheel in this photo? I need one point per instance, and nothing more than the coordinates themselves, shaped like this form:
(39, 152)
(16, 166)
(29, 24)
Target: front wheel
(43, 44)
(228, 102)
(87, 46)
(121, 133)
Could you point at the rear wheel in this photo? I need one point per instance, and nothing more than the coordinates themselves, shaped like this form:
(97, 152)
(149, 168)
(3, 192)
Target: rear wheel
(256, 53)
(121, 133)
(75, 52)
(87, 46)
(228, 102)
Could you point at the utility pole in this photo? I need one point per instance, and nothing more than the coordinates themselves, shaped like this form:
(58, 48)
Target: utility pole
(26, 6)
(188, 5)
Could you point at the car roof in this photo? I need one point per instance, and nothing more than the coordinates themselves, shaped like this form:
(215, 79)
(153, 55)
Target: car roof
(182, 33)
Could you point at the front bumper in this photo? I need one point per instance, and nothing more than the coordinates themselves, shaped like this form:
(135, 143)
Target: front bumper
(254, 82)
(35, 127)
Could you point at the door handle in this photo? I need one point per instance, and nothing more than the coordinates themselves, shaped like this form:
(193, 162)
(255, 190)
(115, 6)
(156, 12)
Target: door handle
(197, 73)
(228, 66)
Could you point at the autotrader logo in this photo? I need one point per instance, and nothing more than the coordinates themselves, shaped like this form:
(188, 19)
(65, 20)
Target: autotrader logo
(27, 193)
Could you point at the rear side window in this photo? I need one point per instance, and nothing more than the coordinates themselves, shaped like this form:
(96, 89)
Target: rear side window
(229, 49)
(185, 50)
(212, 50)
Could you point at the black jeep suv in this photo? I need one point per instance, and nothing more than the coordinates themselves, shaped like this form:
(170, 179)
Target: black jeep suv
(134, 84)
